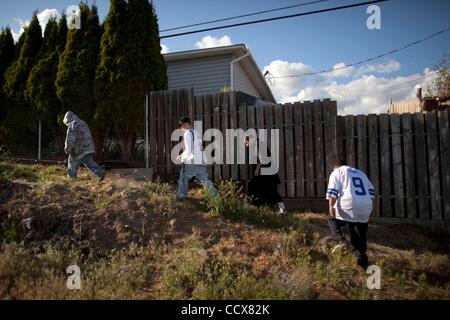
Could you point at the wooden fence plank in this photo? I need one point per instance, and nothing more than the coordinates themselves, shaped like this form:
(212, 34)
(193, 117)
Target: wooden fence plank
(361, 134)
(385, 153)
(217, 170)
(289, 150)
(251, 124)
(243, 168)
(374, 159)
(421, 163)
(350, 141)
(225, 121)
(433, 165)
(161, 151)
(408, 151)
(319, 157)
(279, 124)
(208, 110)
(309, 156)
(329, 114)
(153, 130)
(444, 132)
(168, 133)
(397, 163)
(234, 125)
(299, 150)
(340, 138)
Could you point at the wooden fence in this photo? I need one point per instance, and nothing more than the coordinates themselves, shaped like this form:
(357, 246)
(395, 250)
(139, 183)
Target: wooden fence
(406, 156)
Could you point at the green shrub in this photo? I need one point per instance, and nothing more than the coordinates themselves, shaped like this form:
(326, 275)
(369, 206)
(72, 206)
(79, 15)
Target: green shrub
(9, 232)
(233, 204)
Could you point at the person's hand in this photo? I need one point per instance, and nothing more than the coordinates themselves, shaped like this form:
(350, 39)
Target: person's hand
(332, 212)
(179, 158)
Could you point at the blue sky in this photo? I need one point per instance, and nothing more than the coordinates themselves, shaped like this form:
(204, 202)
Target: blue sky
(310, 43)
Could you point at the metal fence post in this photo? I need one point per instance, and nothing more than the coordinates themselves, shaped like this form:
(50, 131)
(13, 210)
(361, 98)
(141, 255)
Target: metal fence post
(146, 133)
(39, 140)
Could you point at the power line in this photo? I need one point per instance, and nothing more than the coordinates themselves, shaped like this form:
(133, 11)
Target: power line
(275, 18)
(369, 59)
(245, 15)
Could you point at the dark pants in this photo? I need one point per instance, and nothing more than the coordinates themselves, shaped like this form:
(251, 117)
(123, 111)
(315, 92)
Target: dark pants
(263, 190)
(358, 237)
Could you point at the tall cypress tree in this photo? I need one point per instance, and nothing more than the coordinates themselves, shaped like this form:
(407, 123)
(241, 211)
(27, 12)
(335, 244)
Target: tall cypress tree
(41, 89)
(110, 71)
(19, 113)
(77, 65)
(7, 52)
(17, 74)
(18, 46)
(131, 65)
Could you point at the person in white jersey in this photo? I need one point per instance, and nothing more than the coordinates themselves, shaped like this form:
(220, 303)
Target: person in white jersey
(192, 160)
(350, 197)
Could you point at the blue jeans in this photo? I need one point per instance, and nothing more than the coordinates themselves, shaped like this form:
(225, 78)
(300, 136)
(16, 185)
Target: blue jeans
(194, 170)
(87, 161)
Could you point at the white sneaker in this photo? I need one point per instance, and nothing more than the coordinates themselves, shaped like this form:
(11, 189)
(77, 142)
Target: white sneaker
(27, 223)
(283, 211)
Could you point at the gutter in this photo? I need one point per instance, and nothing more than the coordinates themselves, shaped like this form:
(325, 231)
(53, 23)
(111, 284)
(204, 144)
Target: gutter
(232, 67)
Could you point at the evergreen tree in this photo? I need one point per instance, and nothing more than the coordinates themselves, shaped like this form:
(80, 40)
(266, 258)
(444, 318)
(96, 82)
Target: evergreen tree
(130, 66)
(110, 71)
(41, 89)
(17, 74)
(20, 125)
(18, 46)
(77, 65)
(7, 52)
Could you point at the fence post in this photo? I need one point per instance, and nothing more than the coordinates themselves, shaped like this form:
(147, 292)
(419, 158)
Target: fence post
(39, 140)
(146, 133)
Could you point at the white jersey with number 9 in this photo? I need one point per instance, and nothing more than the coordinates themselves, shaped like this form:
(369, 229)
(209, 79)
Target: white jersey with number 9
(354, 194)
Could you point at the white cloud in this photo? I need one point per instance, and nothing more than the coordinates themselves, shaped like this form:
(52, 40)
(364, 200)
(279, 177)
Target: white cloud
(164, 49)
(209, 42)
(341, 70)
(45, 15)
(361, 94)
(23, 24)
(43, 18)
(387, 67)
(287, 86)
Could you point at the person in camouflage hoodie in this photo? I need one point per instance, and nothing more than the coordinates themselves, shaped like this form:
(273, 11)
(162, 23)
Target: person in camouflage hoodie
(80, 147)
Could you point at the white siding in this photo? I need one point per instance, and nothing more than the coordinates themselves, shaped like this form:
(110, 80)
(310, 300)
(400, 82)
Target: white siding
(242, 82)
(205, 75)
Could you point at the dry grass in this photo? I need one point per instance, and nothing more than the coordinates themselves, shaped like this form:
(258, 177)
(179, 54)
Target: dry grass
(133, 240)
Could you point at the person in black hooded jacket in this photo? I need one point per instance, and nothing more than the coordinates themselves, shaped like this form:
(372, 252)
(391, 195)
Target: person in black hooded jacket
(263, 189)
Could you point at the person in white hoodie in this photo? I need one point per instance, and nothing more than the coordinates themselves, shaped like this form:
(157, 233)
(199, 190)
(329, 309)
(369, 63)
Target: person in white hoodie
(192, 160)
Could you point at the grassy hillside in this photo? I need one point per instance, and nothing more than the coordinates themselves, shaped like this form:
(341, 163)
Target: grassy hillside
(133, 240)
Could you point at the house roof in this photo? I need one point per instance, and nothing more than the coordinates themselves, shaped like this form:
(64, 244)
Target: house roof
(248, 63)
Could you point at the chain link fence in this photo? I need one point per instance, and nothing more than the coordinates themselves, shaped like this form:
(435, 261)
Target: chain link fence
(40, 141)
